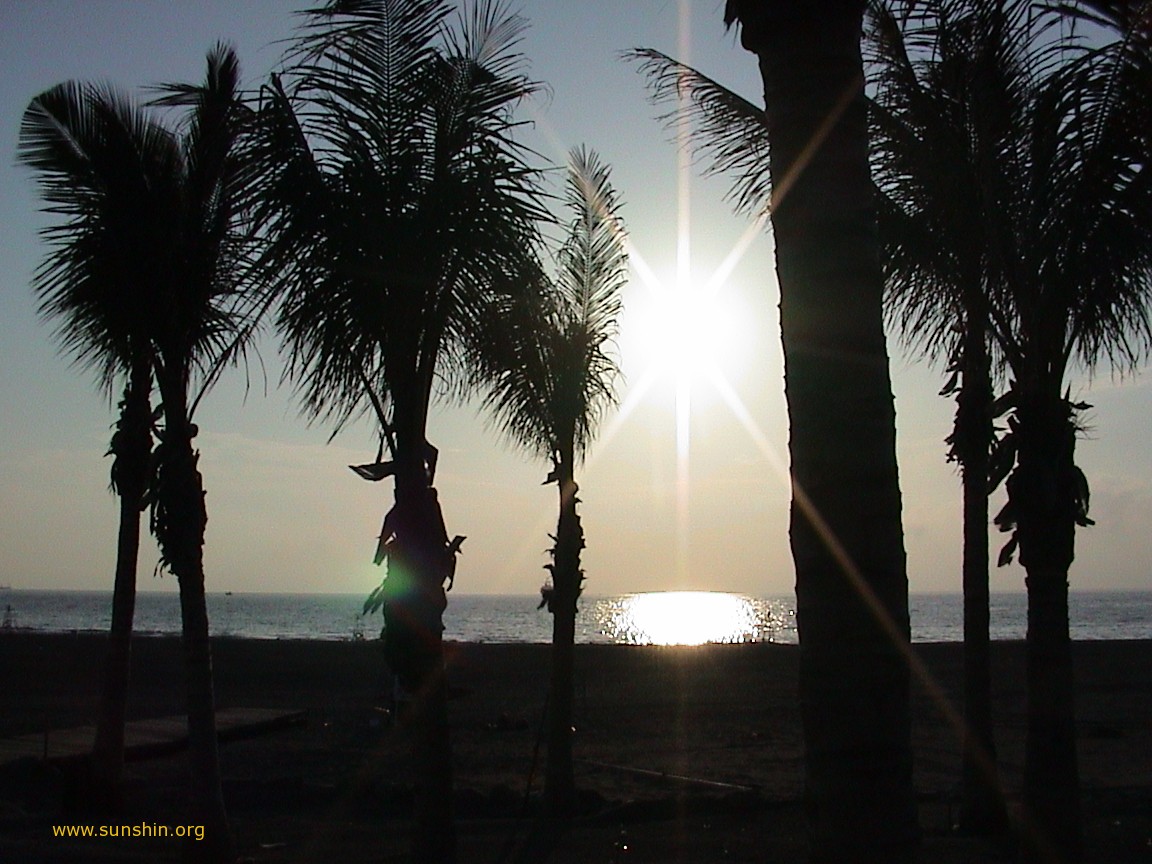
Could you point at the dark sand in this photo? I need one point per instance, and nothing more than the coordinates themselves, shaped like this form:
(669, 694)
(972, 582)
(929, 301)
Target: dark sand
(725, 716)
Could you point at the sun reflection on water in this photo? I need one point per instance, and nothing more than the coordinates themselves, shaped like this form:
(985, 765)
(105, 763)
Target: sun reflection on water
(685, 618)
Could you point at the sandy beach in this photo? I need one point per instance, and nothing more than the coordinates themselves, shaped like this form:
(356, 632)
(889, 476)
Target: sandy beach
(684, 754)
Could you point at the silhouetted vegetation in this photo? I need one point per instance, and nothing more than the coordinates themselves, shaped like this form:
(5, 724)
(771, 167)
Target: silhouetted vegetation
(397, 209)
(550, 372)
(1018, 212)
(79, 138)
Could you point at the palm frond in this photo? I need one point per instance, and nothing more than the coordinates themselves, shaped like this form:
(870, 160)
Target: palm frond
(395, 195)
(1010, 153)
(547, 361)
(104, 168)
(211, 311)
(727, 131)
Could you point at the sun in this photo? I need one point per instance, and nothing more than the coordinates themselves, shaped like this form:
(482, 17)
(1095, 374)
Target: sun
(683, 334)
(686, 337)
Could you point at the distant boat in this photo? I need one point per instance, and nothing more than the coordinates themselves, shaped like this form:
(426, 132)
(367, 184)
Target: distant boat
(227, 593)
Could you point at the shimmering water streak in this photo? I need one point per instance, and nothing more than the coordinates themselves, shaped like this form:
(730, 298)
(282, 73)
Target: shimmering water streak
(688, 618)
(627, 618)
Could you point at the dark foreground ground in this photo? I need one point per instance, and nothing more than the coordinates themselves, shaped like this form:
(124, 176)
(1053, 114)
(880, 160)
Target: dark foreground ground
(685, 754)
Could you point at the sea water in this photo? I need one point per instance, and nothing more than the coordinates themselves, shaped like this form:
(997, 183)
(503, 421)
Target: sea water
(651, 618)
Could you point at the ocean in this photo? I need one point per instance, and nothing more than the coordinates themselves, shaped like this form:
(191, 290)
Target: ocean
(652, 618)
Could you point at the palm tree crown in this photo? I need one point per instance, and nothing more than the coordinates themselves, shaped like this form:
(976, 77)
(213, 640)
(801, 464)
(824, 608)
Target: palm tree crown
(551, 379)
(146, 259)
(1027, 133)
(394, 194)
(103, 166)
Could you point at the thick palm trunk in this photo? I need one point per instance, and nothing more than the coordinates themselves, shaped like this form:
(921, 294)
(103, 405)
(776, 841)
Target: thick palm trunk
(559, 781)
(1044, 491)
(180, 531)
(982, 805)
(420, 562)
(846, 534)
(131, 450)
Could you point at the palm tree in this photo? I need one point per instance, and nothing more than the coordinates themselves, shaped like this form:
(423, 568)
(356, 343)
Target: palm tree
(960, 101)
(846, 534)
(1047, 130)
(938, 134)
(933, 315)
(165, 249)
(200, 327)
(1079, 292)
(551, 378)
(93, 152)
(396, 203)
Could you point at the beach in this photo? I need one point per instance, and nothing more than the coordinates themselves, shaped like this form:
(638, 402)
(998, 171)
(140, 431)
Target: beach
(683, 753)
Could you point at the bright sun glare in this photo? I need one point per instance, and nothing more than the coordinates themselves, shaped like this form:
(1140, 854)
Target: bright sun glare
(683, 334)
(687, 331)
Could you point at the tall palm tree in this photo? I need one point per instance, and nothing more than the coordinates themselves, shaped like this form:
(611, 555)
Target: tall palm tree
(939, 132)
(962, 99)
(203, 322)
(934, 315)
(93, 152)
(1048, 130)
(550, 377)
(846, 533)
(396, 203)
(167, 248)
(1082, 230)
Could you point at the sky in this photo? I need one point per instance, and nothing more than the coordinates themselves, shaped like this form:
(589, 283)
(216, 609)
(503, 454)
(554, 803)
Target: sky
(686, 486)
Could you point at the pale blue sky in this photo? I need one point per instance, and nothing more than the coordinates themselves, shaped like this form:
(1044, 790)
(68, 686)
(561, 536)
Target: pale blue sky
(285, 514)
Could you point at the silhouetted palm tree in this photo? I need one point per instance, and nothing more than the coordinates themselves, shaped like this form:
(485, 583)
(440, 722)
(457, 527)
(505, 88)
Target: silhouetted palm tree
(94, 153)
(396, 203)
(846, 534)
(938, 131)
(200, 326)
(1033, 177)
(551, 373)
(733, 134)
(163, 248)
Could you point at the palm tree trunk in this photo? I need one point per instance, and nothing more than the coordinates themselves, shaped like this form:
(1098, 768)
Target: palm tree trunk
(132, 450)
(846, 533)
(180, 492)
(1044, 489)
(559, 780)
(982, 804)
(207, 795)
(414, 646)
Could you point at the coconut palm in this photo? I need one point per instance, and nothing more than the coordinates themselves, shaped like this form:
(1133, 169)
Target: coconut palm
(1031, 174)
(203, 322)
(93, 152)
(1082, 228)
(163, 247)
(732, 133)
(846, 534)
(550, 375)
(396, 203)
(938, 138)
